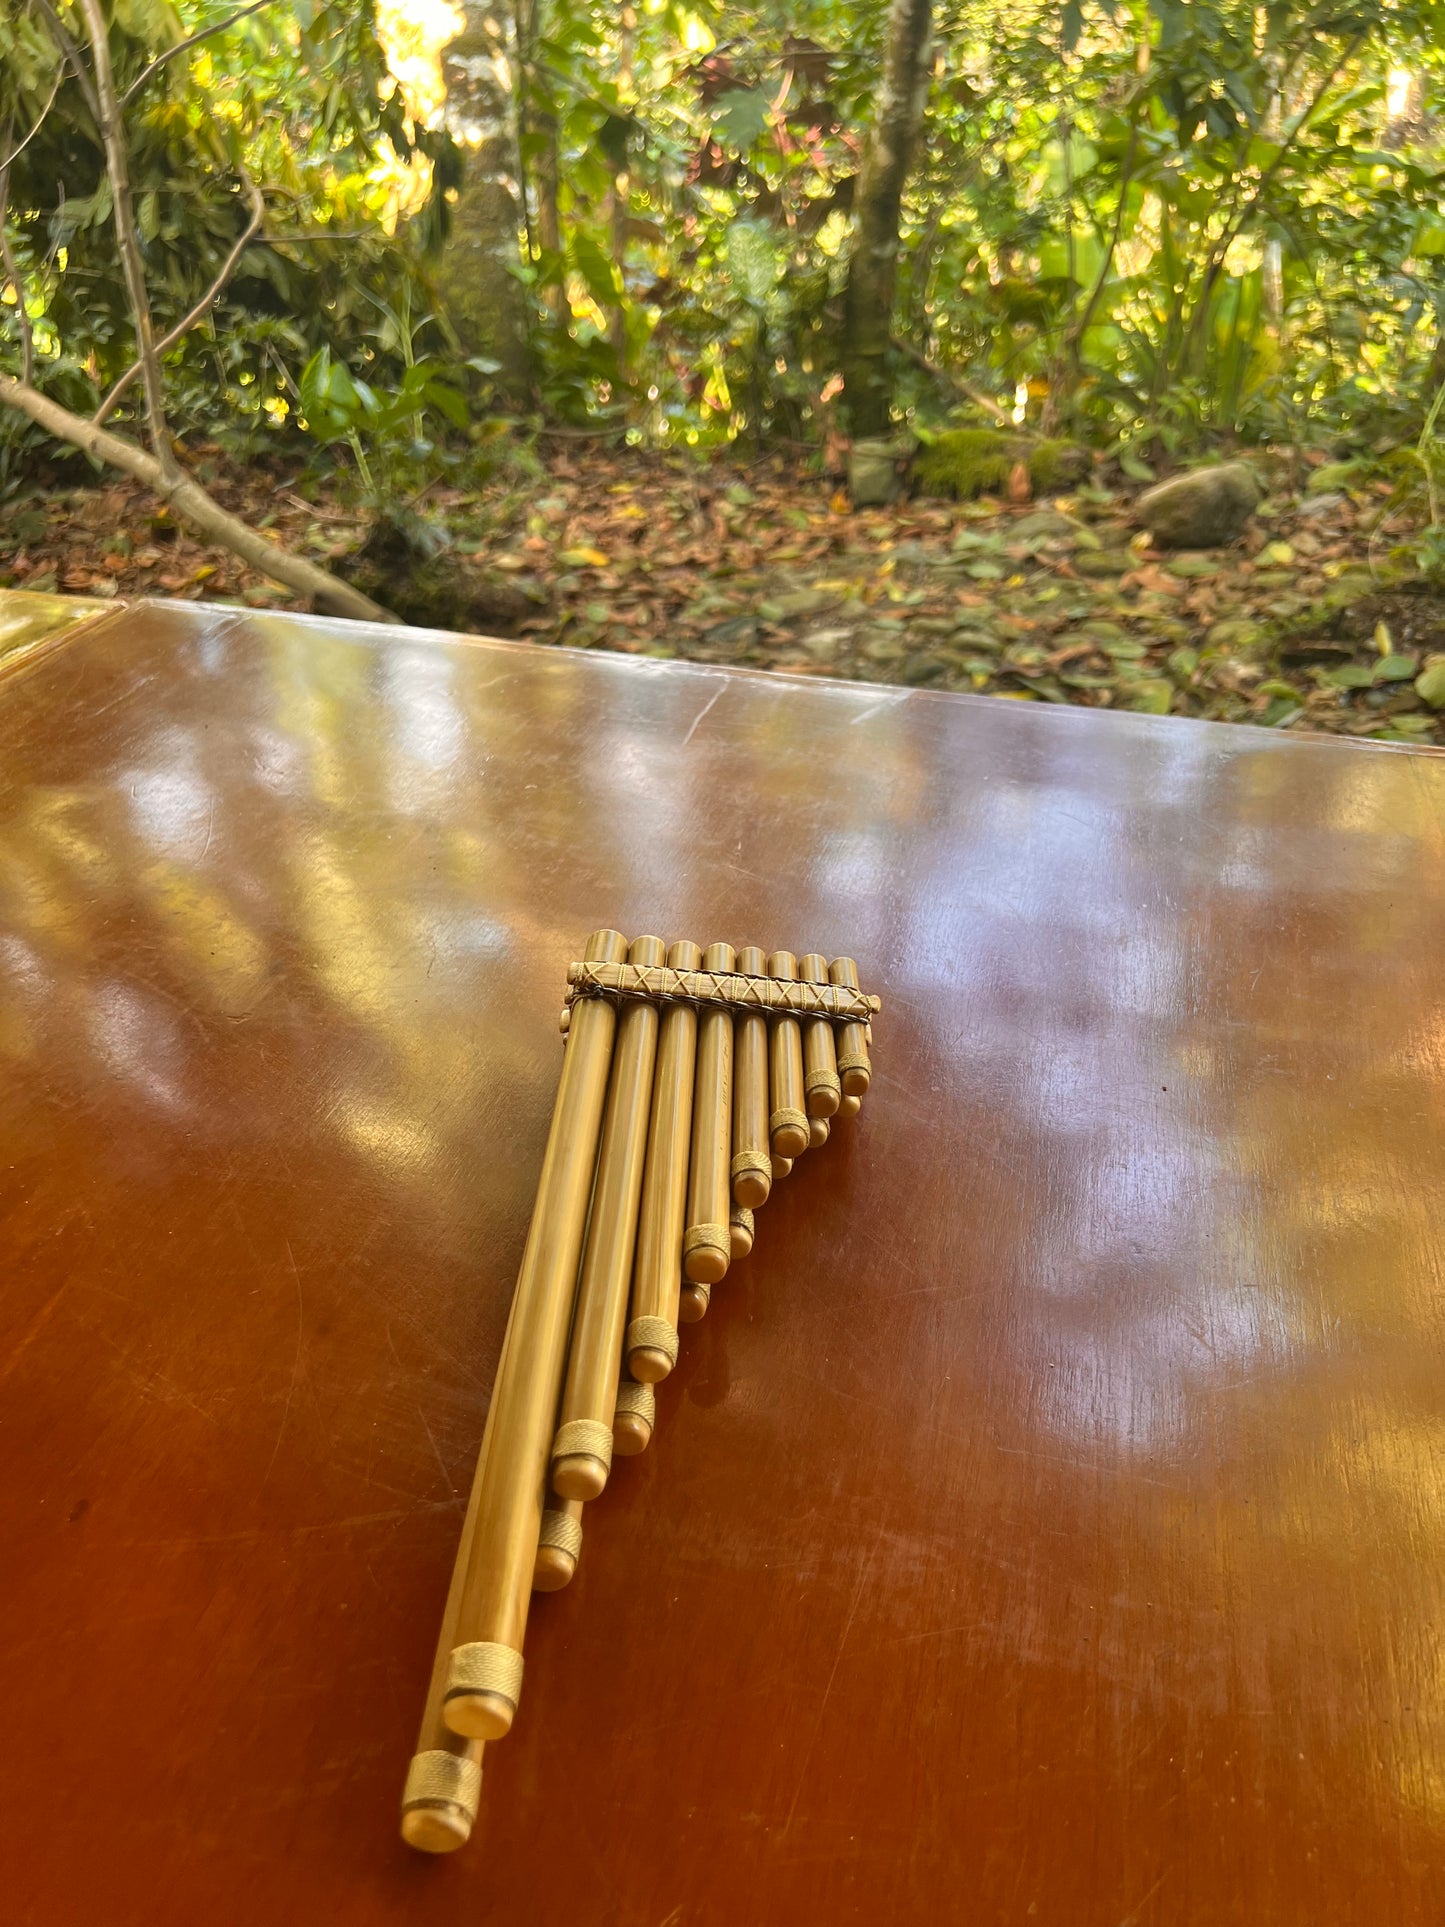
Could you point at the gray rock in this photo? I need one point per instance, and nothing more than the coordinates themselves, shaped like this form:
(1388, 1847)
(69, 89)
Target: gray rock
(873, 473)
(1203, 509)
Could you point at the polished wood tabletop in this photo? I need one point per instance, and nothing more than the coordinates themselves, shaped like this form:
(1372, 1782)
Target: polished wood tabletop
(1045, 1524)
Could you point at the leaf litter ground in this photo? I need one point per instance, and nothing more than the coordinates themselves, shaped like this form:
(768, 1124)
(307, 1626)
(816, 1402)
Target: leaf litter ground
(1304, 624)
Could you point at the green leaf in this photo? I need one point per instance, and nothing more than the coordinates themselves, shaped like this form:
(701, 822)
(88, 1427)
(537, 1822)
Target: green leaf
(1430, 683)
(1396, 669)
(599, 275)
(741, 115)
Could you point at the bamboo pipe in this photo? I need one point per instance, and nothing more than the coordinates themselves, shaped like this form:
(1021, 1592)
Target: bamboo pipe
(559, 1545)
(781, 1167)
(817, 1133)
(741, 1229)
(582, 1449)
(634, 1419)
(706, 1244)
(484, 1678)
(751, 1168)
(652, 1335)
(821, 1088)
(787, 1121)
(854, 1070)
(444, 1781)
(850, 1105)
(692, 1303)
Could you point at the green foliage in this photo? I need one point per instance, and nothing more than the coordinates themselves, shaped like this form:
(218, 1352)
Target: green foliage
(1148, 225)
(296, 99)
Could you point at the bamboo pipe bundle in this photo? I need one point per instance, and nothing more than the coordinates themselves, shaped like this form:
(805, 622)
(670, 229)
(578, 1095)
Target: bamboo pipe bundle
(684, 1072)
(656, 1279)
(582, 1449)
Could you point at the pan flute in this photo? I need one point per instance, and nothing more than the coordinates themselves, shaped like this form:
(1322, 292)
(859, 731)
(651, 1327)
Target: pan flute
(692, 1079)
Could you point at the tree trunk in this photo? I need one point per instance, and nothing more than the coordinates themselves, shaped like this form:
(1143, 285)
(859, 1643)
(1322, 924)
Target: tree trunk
(488, 305)
(868, 310)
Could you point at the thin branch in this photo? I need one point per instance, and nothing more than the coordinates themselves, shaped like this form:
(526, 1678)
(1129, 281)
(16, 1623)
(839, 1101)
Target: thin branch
(1235, 225)
(182, 46)
(16, 152)
(12, 270)
(71, 52)
(12, 274)
(190, 500)
(948, 379)
(112, 135)
(187, 322)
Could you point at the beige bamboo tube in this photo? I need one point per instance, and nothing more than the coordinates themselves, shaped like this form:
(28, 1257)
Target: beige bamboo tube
(781, 1167)
(821, 1087)
(559, 1545)
(817, 1133)
(854, 1070)
(692, 1303)
(706, 1245)
(444, 1781)
(651, 1342)
(751, 1168)
(484, 1677)
(850, 1105)
(787, 1119)
(634, 1419)
(582, 1449)
(741, 1227)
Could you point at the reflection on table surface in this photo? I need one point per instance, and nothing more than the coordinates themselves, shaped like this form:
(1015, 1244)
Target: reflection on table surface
(1049, 1511)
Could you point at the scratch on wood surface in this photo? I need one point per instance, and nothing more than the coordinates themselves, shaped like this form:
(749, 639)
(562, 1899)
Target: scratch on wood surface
(864, 1567)
(295, 1362)
(883, 702)
(37, 1325)
(692, 726)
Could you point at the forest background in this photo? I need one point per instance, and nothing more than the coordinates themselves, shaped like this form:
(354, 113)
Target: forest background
(839, 337)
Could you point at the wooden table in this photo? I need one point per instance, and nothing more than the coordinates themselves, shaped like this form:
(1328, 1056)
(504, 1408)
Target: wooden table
(1044, 1526)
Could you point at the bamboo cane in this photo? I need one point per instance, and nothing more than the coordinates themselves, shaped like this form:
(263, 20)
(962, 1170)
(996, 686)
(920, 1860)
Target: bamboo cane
(484, 1678)
(559, 1546)
(822, 1090)
(656, 1273)
(787, 1122)
(582, 1449)
(634, 1419)
(855, 1071)
(444, 1781)
(741, 1227)
(751, 1168)
(706, 1245)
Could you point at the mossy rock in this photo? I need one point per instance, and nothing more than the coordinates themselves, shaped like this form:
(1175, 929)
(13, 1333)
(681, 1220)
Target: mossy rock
(407, 565)
(964, 462)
